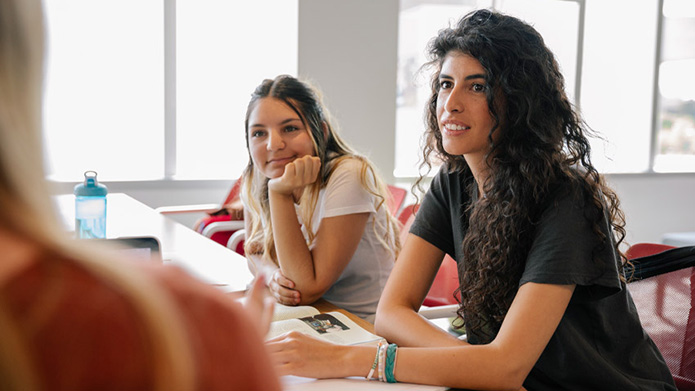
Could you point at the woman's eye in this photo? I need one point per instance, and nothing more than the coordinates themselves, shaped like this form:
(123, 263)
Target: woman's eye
(291, 128)
(257, 133)
(444, 84)
(478, 87)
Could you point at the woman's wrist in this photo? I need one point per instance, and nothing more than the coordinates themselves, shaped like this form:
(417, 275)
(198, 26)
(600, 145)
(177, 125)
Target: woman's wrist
(280, 192)
(357, 360)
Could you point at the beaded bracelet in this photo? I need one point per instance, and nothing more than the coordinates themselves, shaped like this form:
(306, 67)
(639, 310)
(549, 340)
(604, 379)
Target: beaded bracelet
(382, 359)
(376, 359)
(390, 363)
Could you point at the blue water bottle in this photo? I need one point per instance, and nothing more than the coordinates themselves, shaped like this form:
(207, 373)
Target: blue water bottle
(90, 208)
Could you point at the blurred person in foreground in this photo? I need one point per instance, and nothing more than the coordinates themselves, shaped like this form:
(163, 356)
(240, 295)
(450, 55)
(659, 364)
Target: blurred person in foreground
(72, 315)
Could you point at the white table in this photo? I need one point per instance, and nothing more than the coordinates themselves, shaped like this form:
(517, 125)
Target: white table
(180, 245)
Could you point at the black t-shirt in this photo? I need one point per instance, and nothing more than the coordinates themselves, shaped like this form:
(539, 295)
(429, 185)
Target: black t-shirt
(599, 343)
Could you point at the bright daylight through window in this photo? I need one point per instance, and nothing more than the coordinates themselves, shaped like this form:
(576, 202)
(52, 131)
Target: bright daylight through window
(107, 81)
(676, 117)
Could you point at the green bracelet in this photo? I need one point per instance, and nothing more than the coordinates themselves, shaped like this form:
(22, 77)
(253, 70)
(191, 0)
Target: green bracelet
(390, 362)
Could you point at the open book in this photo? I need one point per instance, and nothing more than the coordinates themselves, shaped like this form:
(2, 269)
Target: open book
(331, 326)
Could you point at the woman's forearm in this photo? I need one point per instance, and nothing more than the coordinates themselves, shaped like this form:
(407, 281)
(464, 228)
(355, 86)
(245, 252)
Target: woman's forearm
(406, 327)
(294, 258)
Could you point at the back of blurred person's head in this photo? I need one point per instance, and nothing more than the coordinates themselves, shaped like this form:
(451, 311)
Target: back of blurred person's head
(27, 215)
(24, 206)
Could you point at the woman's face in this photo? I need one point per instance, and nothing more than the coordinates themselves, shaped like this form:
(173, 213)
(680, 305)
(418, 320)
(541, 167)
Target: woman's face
(463, 114)
(277, 136)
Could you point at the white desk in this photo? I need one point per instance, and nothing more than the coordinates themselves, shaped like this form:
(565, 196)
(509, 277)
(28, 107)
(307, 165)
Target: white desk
(180, 245)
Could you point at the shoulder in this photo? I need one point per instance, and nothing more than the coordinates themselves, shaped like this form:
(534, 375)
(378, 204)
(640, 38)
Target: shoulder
(349, 175)
(347, 167)
(569, 199)
(70, 314)
(199, 302)
(449, 187)
(215, 322)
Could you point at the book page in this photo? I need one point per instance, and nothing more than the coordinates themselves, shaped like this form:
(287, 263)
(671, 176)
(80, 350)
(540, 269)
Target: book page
(282, 312)
(333, 327)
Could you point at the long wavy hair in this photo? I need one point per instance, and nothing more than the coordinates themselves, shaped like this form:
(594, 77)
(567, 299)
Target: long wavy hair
(540, 141)
(305, 100)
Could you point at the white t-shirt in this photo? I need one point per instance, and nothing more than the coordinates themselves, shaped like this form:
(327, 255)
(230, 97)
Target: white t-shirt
(360, 285)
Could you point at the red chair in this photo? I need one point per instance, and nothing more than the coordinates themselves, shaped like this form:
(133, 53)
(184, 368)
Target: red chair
(404, 217)
(219, 224)
(663, 289)
(640, 250)
(396, 198)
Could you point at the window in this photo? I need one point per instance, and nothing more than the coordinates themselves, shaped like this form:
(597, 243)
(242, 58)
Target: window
(618, 82)
(151, 90)
(675, 141)
(607, 51)
(105, 83)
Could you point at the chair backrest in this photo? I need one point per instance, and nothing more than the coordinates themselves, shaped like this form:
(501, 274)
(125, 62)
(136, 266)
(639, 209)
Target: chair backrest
(639, 250)
(396, 198)
(233, 192)
(221, 236)
(664, 295)
(446, 280)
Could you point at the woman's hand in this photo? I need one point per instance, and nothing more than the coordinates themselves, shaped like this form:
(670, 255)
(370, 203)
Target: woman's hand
(258, 306)
(282, 288)
(298, 354)
(299, 173)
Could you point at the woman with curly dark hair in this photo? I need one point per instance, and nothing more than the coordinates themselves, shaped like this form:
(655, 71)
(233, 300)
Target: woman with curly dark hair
(532, 225)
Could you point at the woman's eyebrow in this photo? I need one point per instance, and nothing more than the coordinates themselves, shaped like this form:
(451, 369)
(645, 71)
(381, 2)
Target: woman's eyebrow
(475, 76)
(286, 121)
(290, 120)
(469, 77)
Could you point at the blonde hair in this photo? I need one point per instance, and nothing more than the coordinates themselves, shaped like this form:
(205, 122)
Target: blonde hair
(24, 201)
(307, 102)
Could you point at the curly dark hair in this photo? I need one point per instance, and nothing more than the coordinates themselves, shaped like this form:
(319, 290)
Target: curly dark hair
(541, 141)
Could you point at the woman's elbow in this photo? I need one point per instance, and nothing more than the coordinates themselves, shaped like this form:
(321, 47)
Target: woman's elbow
(510, 373)
(380, 325)
(310, 293)
(511, 383)
(306, 298)
(386, 314)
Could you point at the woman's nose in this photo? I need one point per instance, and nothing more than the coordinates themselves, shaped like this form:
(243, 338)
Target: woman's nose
(275, 141)
(453, 103)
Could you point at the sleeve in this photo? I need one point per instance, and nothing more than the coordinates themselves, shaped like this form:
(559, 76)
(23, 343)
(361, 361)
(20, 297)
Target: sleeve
(566, 250)
(433, 221)
(345, 193)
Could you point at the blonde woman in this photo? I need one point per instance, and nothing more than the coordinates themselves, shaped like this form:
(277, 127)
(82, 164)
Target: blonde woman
(72, 318)
(316, 212)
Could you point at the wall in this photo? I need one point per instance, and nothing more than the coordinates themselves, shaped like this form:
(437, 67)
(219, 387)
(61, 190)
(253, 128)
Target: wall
(655, 204)
(349, 50)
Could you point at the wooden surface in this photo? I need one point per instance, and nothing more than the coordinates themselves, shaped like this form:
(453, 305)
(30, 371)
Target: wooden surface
(180, 245)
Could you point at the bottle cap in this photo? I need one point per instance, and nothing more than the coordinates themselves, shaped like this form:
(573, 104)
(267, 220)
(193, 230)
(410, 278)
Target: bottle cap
(90, 187)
